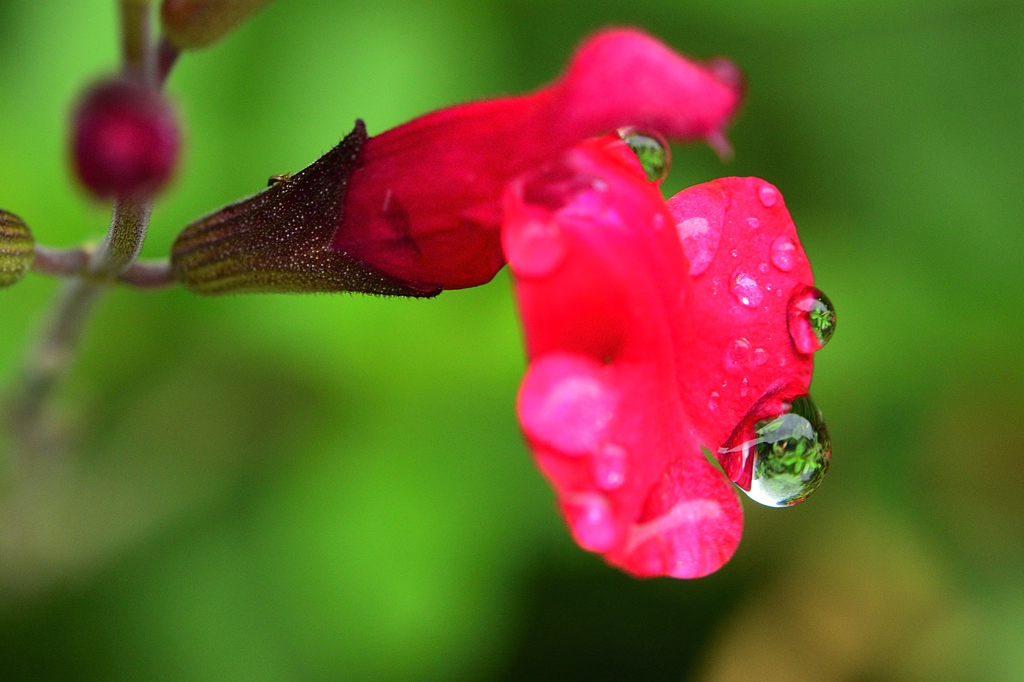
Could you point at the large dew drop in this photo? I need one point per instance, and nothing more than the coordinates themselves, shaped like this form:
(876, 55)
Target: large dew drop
(651, 149)
(791, 454)
(812, 319)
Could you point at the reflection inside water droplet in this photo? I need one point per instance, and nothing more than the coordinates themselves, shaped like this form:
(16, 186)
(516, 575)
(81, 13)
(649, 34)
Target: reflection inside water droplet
(812, 319)
(779, 462)
(651, 149)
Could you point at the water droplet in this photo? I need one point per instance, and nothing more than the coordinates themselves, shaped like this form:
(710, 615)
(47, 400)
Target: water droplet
(784, 253)
(533, 247)
(700, 239)
(737, 355)
(713, 401)
(557, 186)
(780, 461)
(763, 267)
(734, 253)
(609, 467)
(591, 520)
(754, 223)
(651, 149)
(565, 403)
(744, 388)
(760, 357)
(745, 288)
(768, 195)
(812, 319)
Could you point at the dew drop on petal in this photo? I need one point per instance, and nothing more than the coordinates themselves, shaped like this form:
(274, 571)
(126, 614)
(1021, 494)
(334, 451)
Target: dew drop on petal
(534, 247)
(760, 357)
(811, 318)
(735, 253)
(745, 288)
(785, 457)
(609, 467)
(700, 240)
(565, 403)
(591, 520)
(768, 195)
(651, 149)
(744, 387)
(783, 253)
(713, 401)
(737, 355)
(763, 267)
(754, 223)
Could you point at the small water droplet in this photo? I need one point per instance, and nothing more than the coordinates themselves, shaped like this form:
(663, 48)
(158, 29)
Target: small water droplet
(734, 253)
(768, 195)
(713, 401)
(754, 223)
(737, 355)
(533, 247)
(745, 288)
(609, 467)
(763, 267)
(744, 387)
(591, 520)
(558, 186)
(651, 149)
(812, 319)
(565, 403)
(780, 461)
(700, 239)
(784, 253)
(760, 357)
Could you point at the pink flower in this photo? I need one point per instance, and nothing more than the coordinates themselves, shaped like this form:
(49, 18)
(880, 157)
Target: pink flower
(655, 330)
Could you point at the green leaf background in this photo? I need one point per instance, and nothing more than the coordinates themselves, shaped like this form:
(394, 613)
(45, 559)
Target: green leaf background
(335, 488)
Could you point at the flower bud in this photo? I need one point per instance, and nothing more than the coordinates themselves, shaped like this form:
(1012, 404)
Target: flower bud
(278, 241)
(17, 249)
(195, 24)
(125, 139)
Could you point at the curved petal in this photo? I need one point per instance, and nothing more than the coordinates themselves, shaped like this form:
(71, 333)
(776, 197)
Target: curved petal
(745, 264)
(423, 205)
(601, 282)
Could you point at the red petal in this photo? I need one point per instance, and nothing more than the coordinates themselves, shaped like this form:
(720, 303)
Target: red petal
(735, 334)
(602, 282)
(424, 206)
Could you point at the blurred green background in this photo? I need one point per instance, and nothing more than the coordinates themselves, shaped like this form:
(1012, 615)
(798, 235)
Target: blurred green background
(334, 487)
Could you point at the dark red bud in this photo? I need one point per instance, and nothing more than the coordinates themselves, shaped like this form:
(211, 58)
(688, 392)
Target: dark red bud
(125, 139)
(278, 241)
